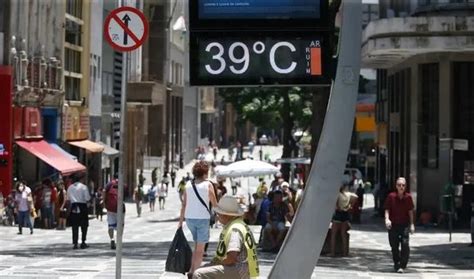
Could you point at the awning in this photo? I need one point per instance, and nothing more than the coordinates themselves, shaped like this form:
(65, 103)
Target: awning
(108, 150)
(59, 148)
(51, 156)
(88, 145)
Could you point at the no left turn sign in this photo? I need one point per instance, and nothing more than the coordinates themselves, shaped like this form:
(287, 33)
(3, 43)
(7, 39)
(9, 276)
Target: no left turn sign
(126, 28)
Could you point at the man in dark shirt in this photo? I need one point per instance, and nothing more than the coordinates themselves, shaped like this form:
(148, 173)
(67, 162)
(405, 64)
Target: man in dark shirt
(399, 222)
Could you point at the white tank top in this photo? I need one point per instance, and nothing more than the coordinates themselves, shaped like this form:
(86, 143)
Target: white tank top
(194, 208)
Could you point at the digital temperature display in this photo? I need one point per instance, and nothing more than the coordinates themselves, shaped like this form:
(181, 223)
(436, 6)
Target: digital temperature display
(257, 60)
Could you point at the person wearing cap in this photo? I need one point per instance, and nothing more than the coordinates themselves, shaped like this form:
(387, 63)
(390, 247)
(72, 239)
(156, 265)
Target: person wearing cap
(236, 255)
(278, 216)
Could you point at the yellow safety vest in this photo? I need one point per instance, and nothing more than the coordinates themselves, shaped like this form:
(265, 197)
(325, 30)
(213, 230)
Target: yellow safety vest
(249, 241)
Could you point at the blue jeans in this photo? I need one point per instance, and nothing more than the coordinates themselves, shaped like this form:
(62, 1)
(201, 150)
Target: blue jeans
(24, 216)
(199, 229)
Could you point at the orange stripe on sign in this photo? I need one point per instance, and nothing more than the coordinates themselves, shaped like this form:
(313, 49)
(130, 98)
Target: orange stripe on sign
(316, 61)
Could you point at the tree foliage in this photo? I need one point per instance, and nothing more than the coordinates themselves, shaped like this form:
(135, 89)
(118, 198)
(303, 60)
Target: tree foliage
(265, 107)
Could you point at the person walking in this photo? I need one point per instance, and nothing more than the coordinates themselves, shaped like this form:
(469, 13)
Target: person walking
(181, 188)
(399, 222)
(236, 255)
(152, 197)
(138, 198)
(162, 193)
(47, 206)
(78, 196)
(24, 205)
(173, 178)
(62, 197)
(195, 210)
(99, 203)
(110, 202)
(341, 220)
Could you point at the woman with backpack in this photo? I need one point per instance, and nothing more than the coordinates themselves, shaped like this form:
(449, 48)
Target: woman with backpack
(152, 192)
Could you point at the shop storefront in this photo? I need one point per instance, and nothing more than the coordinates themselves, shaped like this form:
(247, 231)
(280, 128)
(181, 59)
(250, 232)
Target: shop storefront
(76, 127)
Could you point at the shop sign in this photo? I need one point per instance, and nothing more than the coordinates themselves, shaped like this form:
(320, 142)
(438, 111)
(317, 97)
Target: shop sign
(76, 123)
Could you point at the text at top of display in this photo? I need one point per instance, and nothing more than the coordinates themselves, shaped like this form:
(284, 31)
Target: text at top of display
(258, 14)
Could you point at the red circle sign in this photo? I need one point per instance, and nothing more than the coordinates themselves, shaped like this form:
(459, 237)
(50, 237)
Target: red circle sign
(126, 28)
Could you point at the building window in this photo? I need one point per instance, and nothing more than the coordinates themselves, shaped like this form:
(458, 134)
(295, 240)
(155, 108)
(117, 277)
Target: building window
(429, 117)
(72, 87)
(73, 50)
(72, 60)
(74, 8)
(73, 32)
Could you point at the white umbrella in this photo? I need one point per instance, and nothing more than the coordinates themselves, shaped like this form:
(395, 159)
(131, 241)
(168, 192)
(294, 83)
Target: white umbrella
(246, 168)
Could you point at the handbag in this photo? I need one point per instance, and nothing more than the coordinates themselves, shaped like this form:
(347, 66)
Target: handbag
(202, 201)
(33, 213)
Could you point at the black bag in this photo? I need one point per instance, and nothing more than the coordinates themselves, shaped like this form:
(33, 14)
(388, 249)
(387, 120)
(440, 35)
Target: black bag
(180, 254)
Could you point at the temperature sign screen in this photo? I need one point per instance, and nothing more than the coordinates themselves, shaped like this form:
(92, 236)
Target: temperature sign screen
(257, 60)
(259, 9)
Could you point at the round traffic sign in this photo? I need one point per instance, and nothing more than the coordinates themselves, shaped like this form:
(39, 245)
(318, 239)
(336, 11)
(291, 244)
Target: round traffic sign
(126, 28)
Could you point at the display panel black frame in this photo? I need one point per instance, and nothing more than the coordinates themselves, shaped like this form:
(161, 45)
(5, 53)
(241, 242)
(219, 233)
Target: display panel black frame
(210, 80)
(197, 24)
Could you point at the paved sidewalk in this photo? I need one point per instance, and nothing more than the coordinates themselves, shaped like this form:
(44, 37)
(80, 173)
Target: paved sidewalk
(49, 254)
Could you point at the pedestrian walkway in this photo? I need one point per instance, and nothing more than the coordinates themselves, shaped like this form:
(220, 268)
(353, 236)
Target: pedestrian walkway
(49, 254)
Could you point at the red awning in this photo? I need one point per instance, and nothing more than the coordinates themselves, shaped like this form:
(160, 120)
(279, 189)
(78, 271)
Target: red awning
(51, 156)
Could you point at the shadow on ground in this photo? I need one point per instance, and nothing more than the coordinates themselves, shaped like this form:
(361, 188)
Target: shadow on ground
(131, 250)
(164, 220)
(431, 258)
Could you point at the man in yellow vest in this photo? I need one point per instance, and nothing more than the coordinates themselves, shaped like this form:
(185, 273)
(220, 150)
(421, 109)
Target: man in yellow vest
(236, 255)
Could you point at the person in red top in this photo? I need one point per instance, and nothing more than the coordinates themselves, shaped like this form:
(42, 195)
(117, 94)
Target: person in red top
(399, 222)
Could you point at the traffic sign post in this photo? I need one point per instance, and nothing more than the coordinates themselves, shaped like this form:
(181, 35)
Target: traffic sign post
(125, 29)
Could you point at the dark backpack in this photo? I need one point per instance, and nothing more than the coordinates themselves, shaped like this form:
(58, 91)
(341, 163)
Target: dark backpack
(111, 198)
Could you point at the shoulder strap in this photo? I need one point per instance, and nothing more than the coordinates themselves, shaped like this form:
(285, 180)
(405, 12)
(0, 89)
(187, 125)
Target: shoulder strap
(199, 197)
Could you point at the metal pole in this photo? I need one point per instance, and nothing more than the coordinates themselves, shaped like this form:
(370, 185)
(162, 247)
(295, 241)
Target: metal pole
(122, 168)
(451, 205)
(303, 244)
(122, 162)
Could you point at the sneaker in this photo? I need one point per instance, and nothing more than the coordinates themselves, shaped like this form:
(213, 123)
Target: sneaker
(75, 247)
(400, 270)
(112, 245)
(84, 245)
(19, 233)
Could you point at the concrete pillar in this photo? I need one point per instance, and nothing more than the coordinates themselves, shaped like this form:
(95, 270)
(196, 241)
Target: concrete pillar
(445, 130)
(414, 132)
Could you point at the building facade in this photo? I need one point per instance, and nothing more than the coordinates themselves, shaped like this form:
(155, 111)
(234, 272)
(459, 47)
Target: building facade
(423, 51)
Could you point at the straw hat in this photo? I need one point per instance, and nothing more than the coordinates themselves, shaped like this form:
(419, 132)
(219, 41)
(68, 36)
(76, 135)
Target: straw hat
(229, 206)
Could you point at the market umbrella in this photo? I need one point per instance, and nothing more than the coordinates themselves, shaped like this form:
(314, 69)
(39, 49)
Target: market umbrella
(246, 168)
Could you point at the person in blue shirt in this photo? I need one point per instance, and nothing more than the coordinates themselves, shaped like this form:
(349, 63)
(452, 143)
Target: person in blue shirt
(262, 214)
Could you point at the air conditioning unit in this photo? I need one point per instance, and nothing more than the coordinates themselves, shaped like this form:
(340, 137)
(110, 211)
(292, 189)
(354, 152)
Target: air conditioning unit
(32, 123)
